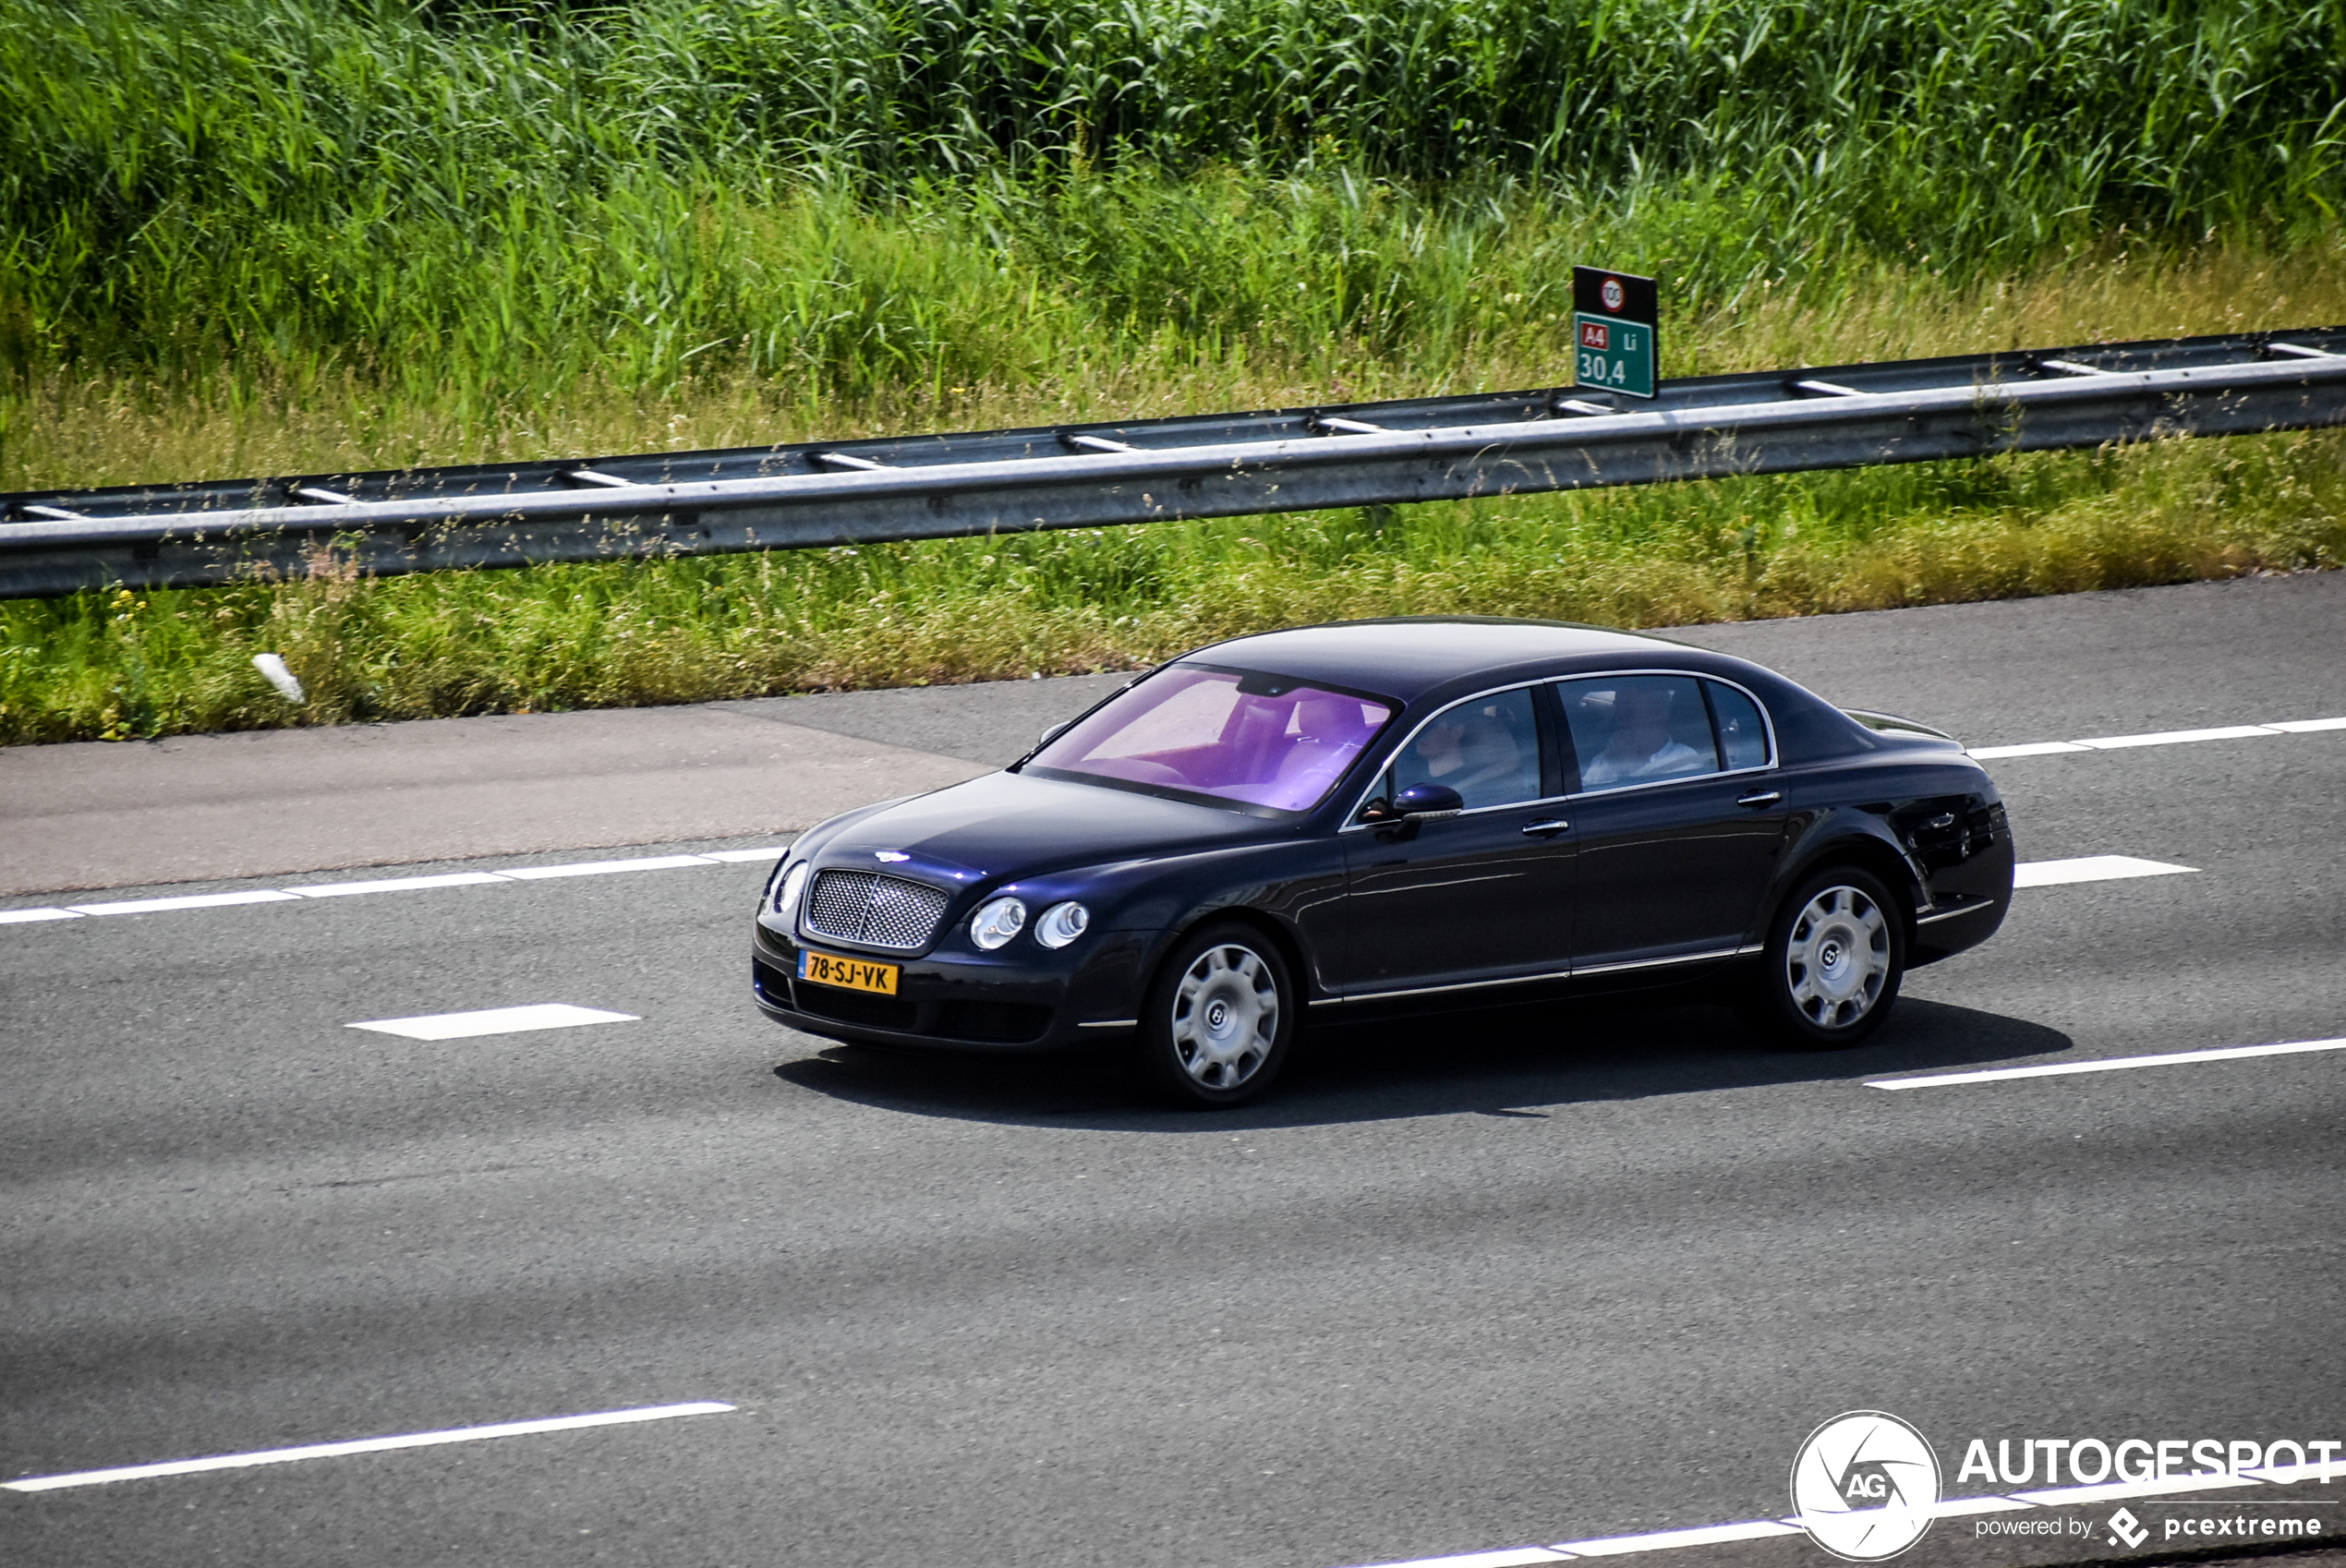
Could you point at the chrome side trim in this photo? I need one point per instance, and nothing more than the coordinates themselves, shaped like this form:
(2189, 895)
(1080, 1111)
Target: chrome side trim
(1713, 956)
(1958, 909)
(1461, 985)
(1710, 957)
(1111, 1024)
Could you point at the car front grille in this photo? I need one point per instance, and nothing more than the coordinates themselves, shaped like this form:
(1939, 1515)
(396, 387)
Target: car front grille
(875, 910)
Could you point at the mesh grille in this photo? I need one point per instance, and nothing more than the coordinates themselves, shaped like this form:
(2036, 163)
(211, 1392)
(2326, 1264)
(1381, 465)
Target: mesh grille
(879, 911)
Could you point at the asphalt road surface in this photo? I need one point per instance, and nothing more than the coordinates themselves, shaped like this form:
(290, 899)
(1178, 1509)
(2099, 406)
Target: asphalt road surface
(1495, 1279)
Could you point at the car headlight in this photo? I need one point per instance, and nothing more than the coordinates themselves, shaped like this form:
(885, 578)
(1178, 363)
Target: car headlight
(786, 896)
(997, 922)
(1061, 923)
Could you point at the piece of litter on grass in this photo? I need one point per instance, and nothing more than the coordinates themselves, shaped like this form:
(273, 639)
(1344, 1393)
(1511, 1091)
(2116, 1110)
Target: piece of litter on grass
(274, 670)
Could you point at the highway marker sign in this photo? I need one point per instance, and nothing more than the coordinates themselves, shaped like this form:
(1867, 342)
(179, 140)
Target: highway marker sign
(1615, 332)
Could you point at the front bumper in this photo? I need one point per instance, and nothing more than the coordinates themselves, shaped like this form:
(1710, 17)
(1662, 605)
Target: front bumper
(1034, 1001)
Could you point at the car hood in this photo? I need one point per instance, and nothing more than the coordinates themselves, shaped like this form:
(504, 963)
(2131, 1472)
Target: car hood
(1006, 825)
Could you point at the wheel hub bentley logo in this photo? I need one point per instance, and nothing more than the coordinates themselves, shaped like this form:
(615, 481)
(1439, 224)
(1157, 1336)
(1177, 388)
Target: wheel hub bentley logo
(1865, 1486)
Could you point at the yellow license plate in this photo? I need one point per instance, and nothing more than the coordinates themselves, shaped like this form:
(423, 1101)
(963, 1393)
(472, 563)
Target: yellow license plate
(852, 975)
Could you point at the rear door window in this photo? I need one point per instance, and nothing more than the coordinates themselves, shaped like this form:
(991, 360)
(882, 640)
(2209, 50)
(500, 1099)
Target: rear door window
(1639, 728)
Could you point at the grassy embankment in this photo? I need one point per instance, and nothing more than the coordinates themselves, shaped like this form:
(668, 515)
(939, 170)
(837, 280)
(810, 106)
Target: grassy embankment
(375, 237)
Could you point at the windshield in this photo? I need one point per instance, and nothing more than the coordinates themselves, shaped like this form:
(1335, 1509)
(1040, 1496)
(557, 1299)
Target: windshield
(1233, 735)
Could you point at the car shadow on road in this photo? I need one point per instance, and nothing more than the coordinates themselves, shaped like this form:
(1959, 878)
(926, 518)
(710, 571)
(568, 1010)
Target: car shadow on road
(1517, 1061)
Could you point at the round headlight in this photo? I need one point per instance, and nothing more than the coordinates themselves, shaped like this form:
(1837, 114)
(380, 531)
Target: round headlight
(1061, 923)
(786, 896)
(997, 922)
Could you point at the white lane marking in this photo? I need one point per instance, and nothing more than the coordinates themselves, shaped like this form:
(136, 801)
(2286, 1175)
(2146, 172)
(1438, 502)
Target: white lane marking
(363, 1446)
(397, 884)
(1514, 1556)
(604, 868)
(2111, 1064)
(2091, 868)
(188, 901)
(2179, 737)
(1756, 1530)
(1664, 1541)
(394, 884)
(495, 1020)
(2163, 738)
(2036, 749)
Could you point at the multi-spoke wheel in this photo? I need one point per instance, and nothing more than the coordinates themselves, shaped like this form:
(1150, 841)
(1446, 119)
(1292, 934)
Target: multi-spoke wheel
(1835, 953)
(1220, 1018)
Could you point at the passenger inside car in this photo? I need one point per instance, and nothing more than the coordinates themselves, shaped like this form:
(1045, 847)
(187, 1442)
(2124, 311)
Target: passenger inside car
(1641, 729)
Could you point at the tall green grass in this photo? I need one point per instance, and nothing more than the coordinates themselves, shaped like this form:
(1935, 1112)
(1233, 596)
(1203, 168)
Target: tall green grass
(491, 202)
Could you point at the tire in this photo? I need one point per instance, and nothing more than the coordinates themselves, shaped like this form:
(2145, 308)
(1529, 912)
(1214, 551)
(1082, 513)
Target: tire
(1219, 1018)
(1829, 973)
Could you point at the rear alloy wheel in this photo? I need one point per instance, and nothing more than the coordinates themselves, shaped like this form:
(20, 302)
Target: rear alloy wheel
(1835, 953)
(1219, 1018)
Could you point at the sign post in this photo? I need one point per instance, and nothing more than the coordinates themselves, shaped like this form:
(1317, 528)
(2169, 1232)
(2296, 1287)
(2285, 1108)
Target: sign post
(1616, 335)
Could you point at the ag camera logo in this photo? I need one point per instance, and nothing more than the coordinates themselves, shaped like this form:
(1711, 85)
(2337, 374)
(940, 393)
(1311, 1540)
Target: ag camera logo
(1865, 1486)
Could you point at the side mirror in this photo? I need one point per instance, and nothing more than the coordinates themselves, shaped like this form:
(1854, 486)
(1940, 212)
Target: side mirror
(1427, 801)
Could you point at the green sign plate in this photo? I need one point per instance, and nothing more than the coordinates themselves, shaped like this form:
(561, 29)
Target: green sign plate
(1614, 355)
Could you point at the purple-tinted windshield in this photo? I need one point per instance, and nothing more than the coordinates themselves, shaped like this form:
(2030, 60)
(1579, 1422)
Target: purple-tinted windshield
(1253, 738)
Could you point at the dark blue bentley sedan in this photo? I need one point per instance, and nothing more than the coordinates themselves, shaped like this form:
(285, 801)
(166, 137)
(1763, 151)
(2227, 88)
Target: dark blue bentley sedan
(1346, 820)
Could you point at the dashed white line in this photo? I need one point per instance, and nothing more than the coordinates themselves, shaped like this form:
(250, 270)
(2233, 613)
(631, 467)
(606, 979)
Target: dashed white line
(2179, 737)
(2091, 868)
(2162, 738)
(1665, 1540)
(2111, 1064)
(19, 917)
(495, 1020)
(363, 1446)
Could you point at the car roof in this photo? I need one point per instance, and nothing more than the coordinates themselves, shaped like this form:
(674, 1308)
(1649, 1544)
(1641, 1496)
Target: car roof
(1407, 657)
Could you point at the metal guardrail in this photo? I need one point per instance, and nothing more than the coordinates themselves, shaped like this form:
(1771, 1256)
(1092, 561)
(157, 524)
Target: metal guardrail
(1220, 465)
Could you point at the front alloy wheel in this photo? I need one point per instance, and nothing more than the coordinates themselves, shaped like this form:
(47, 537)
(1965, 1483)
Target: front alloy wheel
(1836, 955)
(1219, 1018)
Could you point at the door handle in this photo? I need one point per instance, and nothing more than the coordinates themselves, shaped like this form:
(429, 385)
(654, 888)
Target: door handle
(1758, 798)
(1547, 830)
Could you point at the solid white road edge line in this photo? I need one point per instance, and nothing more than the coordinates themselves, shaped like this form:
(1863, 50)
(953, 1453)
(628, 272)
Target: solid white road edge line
(2163, 738)
(363, 1446)
(390, 885)
(2111, 1064)
(1756, 1530)
(2091, 868)
(495, 1020)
